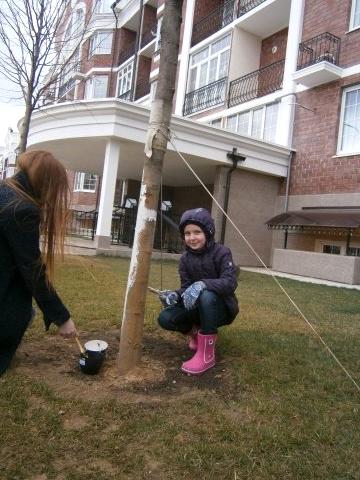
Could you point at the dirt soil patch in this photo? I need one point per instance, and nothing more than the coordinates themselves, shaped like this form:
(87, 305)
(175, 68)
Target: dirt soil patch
(156, 378)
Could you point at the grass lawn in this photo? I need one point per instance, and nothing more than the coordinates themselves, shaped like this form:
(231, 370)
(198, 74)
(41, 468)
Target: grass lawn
(276, 406)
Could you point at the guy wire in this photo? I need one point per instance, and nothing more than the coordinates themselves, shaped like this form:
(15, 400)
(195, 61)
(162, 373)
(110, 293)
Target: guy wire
(303, 316)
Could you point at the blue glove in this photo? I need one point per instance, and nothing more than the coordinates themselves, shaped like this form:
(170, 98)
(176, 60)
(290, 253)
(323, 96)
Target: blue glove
(191, 294)
(169, 298)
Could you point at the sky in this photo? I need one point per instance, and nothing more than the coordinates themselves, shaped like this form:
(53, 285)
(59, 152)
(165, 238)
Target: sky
(10, 110)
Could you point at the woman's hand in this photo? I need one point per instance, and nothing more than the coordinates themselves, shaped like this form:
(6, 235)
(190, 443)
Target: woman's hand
(68, 329)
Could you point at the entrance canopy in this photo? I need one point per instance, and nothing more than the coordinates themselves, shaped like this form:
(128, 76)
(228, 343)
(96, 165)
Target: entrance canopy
(301, 220)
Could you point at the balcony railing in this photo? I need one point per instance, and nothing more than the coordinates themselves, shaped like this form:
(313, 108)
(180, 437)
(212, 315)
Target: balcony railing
(66, 87)
(205, 97)
(256, 84)
(324, 47)
(126, 96)
(83, 224)
(148, 36)
(142, 89)
(126, 54)
(245, 6)
(214, 21)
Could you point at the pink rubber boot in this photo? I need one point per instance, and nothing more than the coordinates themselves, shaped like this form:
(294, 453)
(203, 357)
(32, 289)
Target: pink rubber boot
(204, 357)
(193, 342)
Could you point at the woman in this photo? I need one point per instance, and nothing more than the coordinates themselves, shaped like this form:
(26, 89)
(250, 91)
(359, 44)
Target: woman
(206, 299)
(32, 203)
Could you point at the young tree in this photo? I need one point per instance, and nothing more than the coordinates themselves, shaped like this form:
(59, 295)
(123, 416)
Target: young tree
(39, 44)
(160, 117)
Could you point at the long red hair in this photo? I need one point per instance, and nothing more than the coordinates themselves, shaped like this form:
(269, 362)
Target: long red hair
(49, 181)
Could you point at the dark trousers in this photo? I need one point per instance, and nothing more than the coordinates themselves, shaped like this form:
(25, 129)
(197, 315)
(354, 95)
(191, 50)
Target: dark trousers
(209, 314)
(11, 335)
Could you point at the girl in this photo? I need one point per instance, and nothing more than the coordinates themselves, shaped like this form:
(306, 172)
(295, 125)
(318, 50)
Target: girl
(32, 202)
(206, 299)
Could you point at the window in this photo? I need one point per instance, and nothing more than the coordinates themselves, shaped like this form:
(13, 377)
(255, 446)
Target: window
(209, 64)
(100, 43)
(125, 79)
(216, 123)
(158, 34)
(332, 249)
(103, 6)
(354, 251)
(355, 15)
(85, 182)
(349, 135)
(96, 87)
(258, 123)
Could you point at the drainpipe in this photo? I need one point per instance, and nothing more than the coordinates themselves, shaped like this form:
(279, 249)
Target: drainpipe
(137, 48)
(113, 53)
(236, 158)
(286, 206)
(348, 241)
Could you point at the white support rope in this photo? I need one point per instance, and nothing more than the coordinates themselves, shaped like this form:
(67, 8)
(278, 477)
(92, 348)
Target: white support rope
(303, 316)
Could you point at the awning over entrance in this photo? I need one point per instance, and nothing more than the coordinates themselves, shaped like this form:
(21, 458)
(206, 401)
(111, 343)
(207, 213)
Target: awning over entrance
(343, 219)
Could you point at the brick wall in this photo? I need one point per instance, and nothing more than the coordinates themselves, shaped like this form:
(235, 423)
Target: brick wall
(314, 169)
(277, 40)
(82, 200)
(204, 7)
(149, 20)
(334, 17)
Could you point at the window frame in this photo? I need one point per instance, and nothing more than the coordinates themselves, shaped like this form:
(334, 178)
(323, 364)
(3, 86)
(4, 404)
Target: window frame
(99, 7)
(95, 45)
(250, 124)
(355, 4)
(339, 150)
(90, 87)
(79, 181)
(119, 77)
(207, 61)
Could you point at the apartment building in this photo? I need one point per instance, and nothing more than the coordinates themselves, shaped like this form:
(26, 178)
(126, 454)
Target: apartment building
(266, 109)
(8, 157)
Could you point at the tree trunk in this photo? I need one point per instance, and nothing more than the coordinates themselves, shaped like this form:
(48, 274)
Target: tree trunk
(160, 116)
(25, 126)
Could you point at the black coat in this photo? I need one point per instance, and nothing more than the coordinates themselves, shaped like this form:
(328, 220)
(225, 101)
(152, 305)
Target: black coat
(22, 274)
(213, 264)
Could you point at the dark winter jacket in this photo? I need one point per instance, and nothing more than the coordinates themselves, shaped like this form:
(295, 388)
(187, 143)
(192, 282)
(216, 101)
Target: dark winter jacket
(213, 264)
(22, 275)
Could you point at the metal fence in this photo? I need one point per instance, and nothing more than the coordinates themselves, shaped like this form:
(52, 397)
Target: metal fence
(256, 84)
(246, 5)
(83, 224)
(205, 97)
(324, 47)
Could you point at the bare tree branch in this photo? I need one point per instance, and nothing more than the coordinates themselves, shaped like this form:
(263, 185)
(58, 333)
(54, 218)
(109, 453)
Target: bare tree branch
(40, 44)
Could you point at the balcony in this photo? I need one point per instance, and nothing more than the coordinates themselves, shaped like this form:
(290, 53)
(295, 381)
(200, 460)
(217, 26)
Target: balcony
(256, 84)
(126, 96)
(205, 97)
(318, 60)
(126, 54)
(66, 87)
(262, 22)
(246, 5)
(148, 36)
(214, 21)
(142, 89)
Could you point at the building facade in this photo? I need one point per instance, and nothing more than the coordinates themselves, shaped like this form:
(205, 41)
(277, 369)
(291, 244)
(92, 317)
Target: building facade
(277, 80)
(8, 157)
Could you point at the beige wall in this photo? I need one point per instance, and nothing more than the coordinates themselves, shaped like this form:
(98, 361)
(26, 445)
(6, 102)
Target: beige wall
(252, 202)
(245, 54)
(337, 268)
